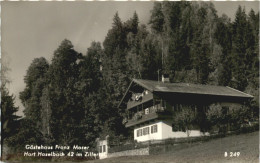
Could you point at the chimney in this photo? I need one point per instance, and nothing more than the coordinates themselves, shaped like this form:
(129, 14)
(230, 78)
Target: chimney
(165, 78)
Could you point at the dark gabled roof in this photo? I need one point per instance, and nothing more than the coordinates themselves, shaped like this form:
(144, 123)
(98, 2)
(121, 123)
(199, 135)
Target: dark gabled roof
(155, 86)
(186, 88)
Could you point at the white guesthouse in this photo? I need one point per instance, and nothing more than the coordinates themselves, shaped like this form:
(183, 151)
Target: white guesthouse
(151, 105)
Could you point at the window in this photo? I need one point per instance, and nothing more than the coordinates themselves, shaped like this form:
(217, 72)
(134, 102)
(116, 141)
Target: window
(154, 129)
(147, 111)
(104, 148)
(146, 131)
(100, 149)
(139, 132)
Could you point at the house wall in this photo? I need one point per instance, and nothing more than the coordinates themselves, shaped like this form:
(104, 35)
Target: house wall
(102, 154)
(168, 133)
(150, 136)
(164, 131)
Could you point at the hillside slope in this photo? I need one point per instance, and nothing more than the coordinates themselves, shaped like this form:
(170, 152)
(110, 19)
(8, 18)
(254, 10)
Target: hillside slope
(211, 151)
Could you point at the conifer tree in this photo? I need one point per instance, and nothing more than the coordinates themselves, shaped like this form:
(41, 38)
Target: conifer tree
(157, 18)
(9, 119)
(65, 112)
(35, 81)
(239, 50)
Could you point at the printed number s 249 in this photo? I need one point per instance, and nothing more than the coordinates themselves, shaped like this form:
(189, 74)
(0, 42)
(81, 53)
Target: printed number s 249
(234, 154)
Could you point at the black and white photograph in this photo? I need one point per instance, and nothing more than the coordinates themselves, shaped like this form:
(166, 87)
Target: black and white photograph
(130, 81)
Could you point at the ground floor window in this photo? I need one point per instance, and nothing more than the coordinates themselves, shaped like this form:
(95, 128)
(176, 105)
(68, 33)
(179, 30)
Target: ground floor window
(153, 129)
(146, 131)
(100, 149)
(139, 132)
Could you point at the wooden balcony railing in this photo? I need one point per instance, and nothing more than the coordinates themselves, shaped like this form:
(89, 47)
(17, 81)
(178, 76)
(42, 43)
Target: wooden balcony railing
(143, 118)
(144, 99)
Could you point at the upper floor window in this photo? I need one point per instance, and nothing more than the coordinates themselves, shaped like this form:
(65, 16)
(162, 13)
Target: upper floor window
(146, 111)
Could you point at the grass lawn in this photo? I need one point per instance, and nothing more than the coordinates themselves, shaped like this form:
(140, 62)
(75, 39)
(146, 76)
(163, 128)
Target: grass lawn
(210, 151)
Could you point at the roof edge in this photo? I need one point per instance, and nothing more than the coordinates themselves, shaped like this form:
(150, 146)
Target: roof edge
(125, 94)
(137, 82)
(250, 96)
(143, 85)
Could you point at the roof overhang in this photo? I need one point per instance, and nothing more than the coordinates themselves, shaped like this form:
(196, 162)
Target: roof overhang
(186, 88)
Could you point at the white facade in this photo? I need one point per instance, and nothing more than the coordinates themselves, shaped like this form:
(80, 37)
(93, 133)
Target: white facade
(102, 149)
(164, 131)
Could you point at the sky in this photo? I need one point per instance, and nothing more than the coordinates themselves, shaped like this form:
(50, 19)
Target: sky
(35, 29)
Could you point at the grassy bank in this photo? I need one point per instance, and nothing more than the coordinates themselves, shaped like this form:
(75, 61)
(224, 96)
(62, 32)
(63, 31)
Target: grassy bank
(210, 151)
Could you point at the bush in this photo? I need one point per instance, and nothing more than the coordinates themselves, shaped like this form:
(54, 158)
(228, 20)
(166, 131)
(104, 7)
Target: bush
(249, 128)
(184, 120)
(235, 116)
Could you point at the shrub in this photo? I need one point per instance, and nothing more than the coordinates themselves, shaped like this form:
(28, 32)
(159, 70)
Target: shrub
(234, 116)
(184, 120)
(218, 116)
(240, 115)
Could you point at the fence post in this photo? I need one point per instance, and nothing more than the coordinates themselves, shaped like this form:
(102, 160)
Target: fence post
(164, 149)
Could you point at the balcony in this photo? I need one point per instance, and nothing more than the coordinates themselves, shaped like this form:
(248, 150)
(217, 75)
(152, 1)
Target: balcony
(143, 118)
(143, 99)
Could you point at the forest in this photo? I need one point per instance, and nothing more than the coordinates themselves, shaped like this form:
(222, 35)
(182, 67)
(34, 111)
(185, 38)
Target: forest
(73, 98)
